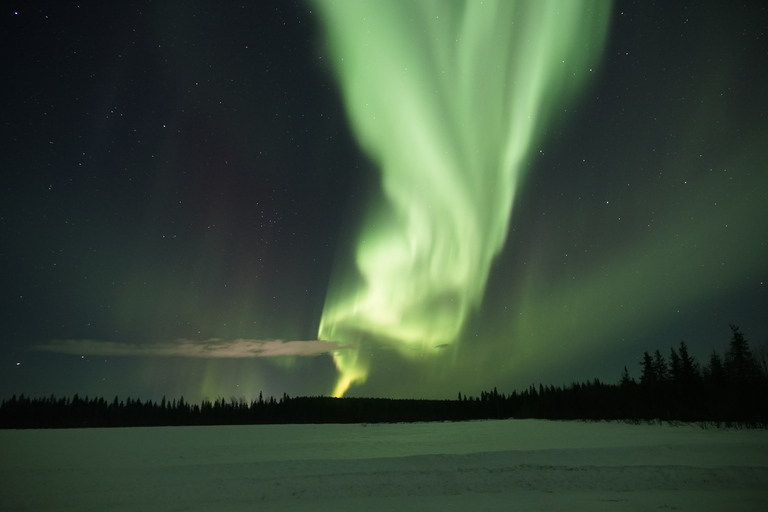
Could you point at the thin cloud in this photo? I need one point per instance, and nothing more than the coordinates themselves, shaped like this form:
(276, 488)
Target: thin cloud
(212, 348)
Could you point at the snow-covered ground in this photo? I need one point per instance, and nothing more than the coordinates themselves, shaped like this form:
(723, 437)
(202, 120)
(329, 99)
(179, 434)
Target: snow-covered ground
(482, 465)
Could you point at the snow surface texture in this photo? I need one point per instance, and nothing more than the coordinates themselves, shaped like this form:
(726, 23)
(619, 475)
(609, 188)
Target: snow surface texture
(482, 465)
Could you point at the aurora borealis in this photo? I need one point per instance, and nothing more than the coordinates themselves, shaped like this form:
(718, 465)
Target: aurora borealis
(456, 198)
(448, 113)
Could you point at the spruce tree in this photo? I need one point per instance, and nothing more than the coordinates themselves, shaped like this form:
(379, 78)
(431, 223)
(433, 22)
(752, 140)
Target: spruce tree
(660, 367)
(675, 366)
(740, 365)
(626, 380)
(648, 377)
(689, 368)
(714, 369)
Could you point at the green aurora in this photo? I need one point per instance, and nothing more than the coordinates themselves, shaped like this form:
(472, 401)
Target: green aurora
(447, 99)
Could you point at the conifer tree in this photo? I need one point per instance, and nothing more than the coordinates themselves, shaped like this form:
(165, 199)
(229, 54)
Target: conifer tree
(689, 368)
(626, 381)
(714, 372)
(660, 367)
(675, 366)
(648, 377)
(740, 365)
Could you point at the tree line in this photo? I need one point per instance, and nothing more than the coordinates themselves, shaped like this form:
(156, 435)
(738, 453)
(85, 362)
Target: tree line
(730, 390)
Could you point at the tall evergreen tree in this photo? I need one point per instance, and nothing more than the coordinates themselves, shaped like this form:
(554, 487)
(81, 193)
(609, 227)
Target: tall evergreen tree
(660, 367)
(740, 365)
(689, 368)
(648, 376)
(626, 381)
(675, 366)
(714, 372)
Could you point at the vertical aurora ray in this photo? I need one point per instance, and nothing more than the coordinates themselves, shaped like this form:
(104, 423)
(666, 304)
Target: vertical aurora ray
(447, 98)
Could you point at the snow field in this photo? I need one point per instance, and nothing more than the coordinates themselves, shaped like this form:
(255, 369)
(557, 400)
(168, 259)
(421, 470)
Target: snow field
(483, 465)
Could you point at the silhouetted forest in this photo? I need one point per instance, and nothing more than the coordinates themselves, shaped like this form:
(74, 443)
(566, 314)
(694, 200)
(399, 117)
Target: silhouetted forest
(729, 390)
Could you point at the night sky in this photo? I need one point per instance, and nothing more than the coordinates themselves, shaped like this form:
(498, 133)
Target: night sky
(182, 186)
